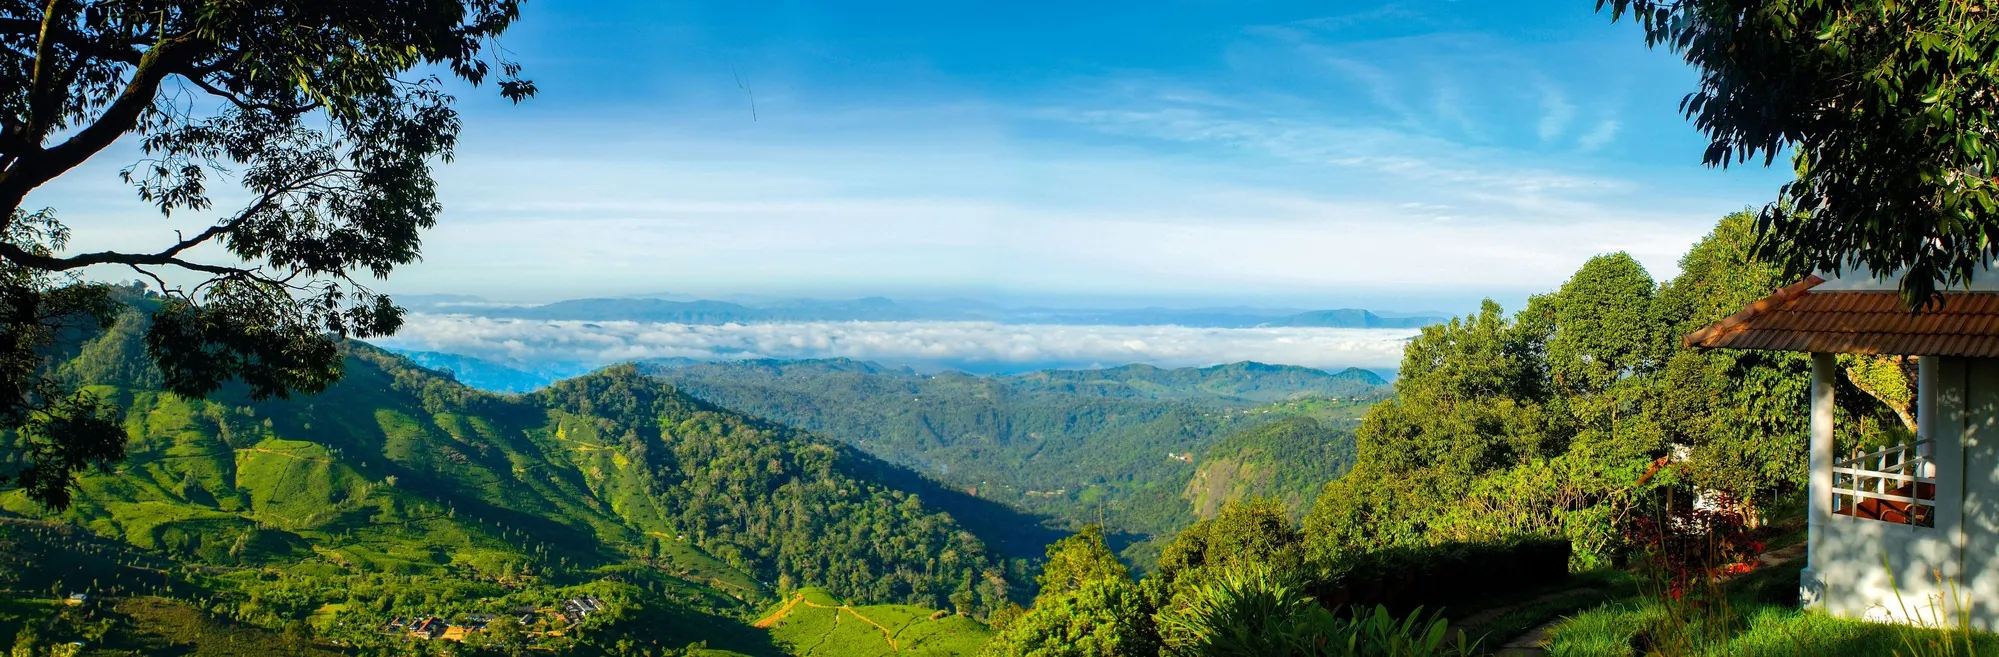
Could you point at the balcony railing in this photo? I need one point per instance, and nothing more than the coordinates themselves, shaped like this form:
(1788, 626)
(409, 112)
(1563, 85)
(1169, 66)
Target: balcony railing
(1896, 484)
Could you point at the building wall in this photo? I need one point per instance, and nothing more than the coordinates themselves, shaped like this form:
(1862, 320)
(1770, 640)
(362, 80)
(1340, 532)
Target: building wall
(1890, 572)
(1978, 546)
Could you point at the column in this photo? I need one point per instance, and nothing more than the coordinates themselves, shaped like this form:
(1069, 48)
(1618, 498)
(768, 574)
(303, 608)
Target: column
(1811, 590)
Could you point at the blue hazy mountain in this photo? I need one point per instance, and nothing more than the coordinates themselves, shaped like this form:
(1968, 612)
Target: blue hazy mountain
(880, 309)
(490, 376)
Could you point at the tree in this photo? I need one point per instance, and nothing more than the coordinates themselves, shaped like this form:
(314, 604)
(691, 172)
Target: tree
(1601, 340)
(1105, 617)
(307, 104)
(1253, 531)
(1603, 323)
(1077, 560)
(25, 642)
(1888, 107)
(507, 636)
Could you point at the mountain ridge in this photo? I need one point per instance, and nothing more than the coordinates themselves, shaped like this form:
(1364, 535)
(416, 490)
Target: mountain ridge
(882, 309)
(675, 510)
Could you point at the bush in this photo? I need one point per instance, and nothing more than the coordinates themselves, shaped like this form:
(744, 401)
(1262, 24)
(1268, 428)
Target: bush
(1252, 610)
(1403, 579)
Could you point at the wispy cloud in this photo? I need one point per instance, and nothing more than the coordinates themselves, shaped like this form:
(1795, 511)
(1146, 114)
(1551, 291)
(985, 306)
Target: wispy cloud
(1556, 113)
(1599, 136)
(1389, 152)
(978, 345)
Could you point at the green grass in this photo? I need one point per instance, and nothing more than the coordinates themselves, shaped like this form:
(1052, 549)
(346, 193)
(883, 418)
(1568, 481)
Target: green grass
(1761, 620)
(1536, 608)
(822, 626)
(159, 626)
(148, 626)
(1760, 630)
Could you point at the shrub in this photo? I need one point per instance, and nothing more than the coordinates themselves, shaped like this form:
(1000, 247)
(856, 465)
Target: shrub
(1253, 610)
(1105, 617)
(1405, 578)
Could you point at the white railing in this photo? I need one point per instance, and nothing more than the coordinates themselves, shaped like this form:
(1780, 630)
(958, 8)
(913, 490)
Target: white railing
(1867, 476)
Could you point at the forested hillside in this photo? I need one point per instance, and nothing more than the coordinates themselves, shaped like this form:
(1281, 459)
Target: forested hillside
(398, 492)
(1118, 444)
(1517, 449)
(1554, 420)
(1288, 460)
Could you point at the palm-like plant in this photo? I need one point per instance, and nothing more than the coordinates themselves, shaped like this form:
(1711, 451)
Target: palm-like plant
(1253, 610)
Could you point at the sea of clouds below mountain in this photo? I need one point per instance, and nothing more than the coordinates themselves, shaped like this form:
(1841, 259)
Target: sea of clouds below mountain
(984, 347)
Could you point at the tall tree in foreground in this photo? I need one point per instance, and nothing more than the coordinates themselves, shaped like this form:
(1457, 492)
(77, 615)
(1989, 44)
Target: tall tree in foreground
(1888, 107)
(323, 111)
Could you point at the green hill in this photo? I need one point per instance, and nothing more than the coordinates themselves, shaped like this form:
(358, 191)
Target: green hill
(1288, 459)
(400, 492)
(814, 623)
(1076, 445)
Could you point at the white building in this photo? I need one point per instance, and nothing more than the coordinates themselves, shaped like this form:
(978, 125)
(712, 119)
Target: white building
(1925, 512)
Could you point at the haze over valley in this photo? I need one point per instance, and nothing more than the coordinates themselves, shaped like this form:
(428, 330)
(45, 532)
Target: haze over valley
(574, 336)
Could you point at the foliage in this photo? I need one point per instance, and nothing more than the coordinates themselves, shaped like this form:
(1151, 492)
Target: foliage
(1693, 544)
(1253, 531)
(1107, 617)
(398, 492)
(310, 107)
(1757, 628)
(1075, 561)
(1288, 459)
(1552, 422)
(1248, 610)
(1886, 108)
(814, 623)
(56, 431)
(1112, 446)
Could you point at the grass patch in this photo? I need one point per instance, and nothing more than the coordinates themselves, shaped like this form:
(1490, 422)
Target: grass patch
(821, 625)
(1761, 630)
(1763, 621)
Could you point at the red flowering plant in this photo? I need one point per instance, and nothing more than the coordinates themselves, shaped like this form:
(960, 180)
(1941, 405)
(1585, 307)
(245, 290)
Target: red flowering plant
(1695, 542)
(1685, 551)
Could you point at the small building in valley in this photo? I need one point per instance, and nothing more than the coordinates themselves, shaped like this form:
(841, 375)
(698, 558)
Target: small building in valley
(1897, 529)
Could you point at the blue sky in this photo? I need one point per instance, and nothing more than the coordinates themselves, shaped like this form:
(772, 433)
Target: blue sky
(1400, 156)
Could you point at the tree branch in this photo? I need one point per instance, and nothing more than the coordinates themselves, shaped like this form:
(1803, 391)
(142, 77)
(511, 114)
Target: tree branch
(41, 98)
(19, 256)
(240, 103)
(38, 166)
(169, 256)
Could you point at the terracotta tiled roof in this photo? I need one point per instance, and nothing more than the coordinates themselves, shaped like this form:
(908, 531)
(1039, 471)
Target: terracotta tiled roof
(1799, 318)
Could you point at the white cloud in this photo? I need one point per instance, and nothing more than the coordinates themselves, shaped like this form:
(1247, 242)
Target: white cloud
(979, 345)
(1556, 113)
(1599, 136)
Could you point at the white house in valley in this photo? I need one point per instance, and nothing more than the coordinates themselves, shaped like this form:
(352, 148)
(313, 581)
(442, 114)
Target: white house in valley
(1923, 511)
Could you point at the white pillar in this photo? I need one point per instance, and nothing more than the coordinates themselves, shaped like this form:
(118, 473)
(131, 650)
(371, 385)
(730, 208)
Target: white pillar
(1818, 501)
(1926, 399)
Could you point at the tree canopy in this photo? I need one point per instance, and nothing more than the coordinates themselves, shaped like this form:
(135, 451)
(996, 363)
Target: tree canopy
(1887, 107)
(328, 114)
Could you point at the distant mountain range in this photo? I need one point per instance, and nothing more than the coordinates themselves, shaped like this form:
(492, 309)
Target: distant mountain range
(880, 309)
(1246, 381)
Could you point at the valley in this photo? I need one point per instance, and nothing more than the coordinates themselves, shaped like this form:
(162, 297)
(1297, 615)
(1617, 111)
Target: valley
(1117, 445)
(401, 503)
(398, 493)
